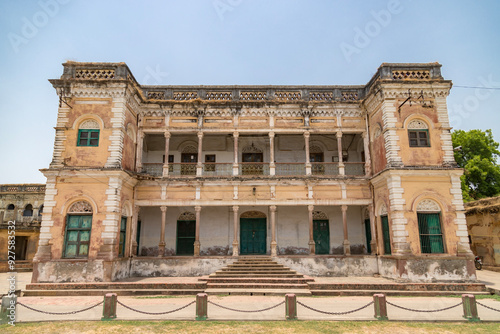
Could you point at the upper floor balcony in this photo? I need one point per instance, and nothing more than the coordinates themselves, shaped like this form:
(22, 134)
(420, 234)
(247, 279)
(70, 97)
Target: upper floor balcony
(253, 155)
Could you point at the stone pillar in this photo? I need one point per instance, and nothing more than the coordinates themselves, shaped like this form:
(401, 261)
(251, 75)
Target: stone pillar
(140, 143)
(347, 244)
(341, 158)
(199, 166)
(133, 235)
(235, 153)
(235, 230)
(161, 245)
(197, 233)
(167, 146)
(312, 244)
(274, 244)
(373, 242)
(308, 158)
(272, 166)
(366, 144)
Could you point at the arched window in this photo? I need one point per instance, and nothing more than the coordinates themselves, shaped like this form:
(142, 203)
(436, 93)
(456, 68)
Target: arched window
(418, 133)
(28, 211)
(429, 227)
(78, 227)
(88, 133)
(11, 207)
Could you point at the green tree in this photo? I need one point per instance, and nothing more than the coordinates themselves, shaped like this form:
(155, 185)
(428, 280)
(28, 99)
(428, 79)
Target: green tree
(476, 151)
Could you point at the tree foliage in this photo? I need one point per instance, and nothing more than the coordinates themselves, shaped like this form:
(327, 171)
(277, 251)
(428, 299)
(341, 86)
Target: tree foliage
(476, 151)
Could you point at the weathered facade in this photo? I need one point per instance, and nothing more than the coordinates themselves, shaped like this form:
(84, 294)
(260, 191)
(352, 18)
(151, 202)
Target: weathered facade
(483, 224)
(22, 206)
(180, 180)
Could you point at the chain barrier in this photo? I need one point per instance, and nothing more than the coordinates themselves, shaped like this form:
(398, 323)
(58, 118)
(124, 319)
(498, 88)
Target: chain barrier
(491, 308)
(335, 313)
(59, 313)
(244, 311)
(155, 313)
(424, 311)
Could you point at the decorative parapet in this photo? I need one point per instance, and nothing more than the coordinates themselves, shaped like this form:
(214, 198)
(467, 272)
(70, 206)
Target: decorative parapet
(22, 188)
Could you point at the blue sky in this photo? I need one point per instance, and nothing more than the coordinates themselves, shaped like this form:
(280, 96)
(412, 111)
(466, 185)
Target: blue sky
(322, 42)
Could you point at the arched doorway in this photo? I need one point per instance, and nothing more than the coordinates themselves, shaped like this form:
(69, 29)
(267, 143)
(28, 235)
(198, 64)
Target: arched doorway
(253, 233)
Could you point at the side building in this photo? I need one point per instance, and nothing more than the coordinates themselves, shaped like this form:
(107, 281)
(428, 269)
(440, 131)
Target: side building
(181, 180)
(21, 207)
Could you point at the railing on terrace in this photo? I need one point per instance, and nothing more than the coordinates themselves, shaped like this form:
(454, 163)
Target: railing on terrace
(354, 168)
(154, 169)
(254, 168)
(325, 168)
(182, 168)
(217, 169)
(293, 169)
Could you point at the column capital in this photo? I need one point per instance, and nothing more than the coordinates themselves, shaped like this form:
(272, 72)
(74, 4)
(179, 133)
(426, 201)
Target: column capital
(236, 134)
(166, 134)
(236, 208)
(197, 208)
(343, 208)
(339, 134)
(272, 208)
(307, 134)
(364, 134)
(163, 208)
(310, 207)
(200, 134)
(141, 134)
(271, 134)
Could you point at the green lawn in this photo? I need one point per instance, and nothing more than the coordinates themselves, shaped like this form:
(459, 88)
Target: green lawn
(181, 327)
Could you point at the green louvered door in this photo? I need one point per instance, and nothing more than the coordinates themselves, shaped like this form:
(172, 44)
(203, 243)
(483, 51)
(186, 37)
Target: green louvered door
(431, 237)
(186, 230)
(253, 236)
(386, 235)
(368, 234)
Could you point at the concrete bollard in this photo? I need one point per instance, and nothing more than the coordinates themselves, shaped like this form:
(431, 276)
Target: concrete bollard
(109, 307)
(470, 307)
(201, 306)
(380, 306)
(291, 306)
(8, 310)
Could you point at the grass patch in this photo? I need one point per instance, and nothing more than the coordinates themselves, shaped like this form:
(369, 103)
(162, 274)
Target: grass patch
(161, 296)
(223, 327)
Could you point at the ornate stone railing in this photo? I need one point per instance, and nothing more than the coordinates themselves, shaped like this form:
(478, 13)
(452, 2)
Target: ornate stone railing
(154, 169)
(217, 169)
(18, 188)
(325, 168)
(354, 168)
(183, 168)
(291, 169)
(254, 168)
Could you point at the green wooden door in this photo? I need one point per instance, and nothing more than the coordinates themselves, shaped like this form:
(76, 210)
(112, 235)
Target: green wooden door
(368, 233)
(431, 237)
(186, 230)
(253, 236)
(321, 235)
(386, 235)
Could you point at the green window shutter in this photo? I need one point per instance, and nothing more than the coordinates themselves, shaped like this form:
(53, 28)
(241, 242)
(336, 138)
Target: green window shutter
(77, 236)
(88, 137)
(386, 235)
(123, 235)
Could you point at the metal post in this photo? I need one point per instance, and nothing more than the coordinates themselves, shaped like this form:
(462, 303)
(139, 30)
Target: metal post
(380, 306)
(201, 306)
(109, 307)
(290, 306)
(470, 307)
(8, 310)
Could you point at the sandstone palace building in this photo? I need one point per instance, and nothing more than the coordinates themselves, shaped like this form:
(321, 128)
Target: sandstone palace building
(181, 180)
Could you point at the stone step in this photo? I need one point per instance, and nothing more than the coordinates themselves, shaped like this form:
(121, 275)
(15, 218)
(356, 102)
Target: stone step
(260, 280)
(256, 269)
(452, 287)
(256, 286)
(116, 286)
(257, 292)
(392, 293)
(119, 292)
(257, 265)
(252, 275)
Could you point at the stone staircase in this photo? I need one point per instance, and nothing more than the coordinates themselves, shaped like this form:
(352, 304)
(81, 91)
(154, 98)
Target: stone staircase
(257, 275)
